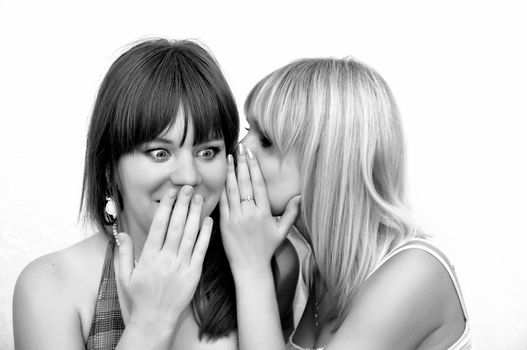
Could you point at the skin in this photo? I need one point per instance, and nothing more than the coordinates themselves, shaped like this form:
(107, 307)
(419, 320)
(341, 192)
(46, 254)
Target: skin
(421, 310)
(145, 175)
(55, 295)
(168, 192)
(251, 222)
(281, 172)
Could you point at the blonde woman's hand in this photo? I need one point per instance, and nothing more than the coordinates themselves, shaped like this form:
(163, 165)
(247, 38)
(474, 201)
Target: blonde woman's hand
(249, 232)
(162, 284)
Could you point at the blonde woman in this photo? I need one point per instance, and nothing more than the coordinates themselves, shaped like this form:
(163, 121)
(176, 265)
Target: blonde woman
(329, 130)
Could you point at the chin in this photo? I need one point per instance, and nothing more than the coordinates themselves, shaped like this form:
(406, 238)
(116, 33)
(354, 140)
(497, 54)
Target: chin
(278, 207)
(277, 211)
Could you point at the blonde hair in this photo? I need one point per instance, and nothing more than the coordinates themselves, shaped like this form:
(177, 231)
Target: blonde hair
(341, 117)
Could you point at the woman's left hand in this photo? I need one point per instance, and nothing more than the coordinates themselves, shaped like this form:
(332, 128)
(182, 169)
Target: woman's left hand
(249, 232)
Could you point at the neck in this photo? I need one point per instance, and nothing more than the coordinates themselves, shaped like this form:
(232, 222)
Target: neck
(132, 228)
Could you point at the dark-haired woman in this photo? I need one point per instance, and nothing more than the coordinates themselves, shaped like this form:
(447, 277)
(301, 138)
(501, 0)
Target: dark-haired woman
(162, 126)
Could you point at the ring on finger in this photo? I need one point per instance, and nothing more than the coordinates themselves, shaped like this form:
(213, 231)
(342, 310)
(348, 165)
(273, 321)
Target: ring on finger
(247, 198)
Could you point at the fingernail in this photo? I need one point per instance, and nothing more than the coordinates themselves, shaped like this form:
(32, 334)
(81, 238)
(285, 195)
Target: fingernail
(240, 149)
(250, 153)
(172, 193)
(208, 220)
(187, 190)
(230, 159)
(197, 199)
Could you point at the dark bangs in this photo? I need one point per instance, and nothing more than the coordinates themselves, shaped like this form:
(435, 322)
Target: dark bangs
(159, 84)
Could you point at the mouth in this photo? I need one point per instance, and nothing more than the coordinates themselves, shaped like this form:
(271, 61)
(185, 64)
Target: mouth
(159, 200)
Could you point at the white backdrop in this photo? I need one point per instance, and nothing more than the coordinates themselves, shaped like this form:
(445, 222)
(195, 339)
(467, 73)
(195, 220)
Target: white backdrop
(457, 69)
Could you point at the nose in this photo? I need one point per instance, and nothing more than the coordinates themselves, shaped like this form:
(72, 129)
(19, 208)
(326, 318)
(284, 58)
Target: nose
(185, 171)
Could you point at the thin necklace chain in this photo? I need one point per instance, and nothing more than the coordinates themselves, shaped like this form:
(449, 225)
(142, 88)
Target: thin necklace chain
(316, 308)
(317, 299)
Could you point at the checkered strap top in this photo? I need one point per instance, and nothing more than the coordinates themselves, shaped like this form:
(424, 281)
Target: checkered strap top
(107, 325)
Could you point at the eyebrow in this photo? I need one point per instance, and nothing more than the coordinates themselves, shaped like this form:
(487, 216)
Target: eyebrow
(212, 141)
(162, 140)
(169, 142)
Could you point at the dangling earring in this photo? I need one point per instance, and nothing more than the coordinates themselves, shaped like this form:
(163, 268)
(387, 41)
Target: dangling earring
(110, 213)
(110, 210)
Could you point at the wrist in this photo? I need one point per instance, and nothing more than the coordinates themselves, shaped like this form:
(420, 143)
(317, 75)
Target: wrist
(160, 324)
(146, 333)
(253, 275)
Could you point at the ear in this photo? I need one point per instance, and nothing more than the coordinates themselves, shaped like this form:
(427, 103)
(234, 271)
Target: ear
(113, 180)
(108, 177)
(113, 186)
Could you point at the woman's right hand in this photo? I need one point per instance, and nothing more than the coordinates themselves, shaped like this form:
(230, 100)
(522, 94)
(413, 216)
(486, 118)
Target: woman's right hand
(162, 284)
(250, 234)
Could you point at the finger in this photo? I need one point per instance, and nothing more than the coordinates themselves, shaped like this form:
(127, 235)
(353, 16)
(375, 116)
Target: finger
(178, 219)
(233, 194)
(159, 225)
(191, 228)
(202, 243)
(258, 183)
(224, 205)
(289, 216)
(244, 178)
(125, 258)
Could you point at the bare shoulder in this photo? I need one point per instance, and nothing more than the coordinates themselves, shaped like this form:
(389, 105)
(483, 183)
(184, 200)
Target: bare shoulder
(407, 300)
(55, 270)
(50, 291)
(412, 271)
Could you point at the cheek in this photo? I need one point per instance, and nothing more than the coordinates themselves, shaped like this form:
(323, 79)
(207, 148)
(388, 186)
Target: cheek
(129, 183)
(214, 175)
(267, 164)
(283, 183)
(136, 177)
(279, 196)
(277, 189)
(137, 181)
(271, 172)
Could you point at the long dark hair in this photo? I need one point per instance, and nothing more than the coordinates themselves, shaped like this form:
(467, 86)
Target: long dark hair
(138, 99)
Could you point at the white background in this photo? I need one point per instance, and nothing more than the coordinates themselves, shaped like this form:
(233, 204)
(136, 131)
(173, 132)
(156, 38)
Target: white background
(457, 69)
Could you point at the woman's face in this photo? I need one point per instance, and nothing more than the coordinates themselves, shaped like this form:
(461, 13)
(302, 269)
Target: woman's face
(281, 172)
(147, 173)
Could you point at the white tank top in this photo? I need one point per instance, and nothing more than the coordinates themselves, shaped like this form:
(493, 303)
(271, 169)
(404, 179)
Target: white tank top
(465, 341)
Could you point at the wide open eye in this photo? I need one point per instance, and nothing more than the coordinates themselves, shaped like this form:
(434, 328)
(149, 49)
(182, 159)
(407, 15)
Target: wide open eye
(208, 152)
(159, 154)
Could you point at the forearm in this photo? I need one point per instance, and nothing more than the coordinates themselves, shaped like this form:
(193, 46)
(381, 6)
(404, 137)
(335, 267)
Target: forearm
(257, 310)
